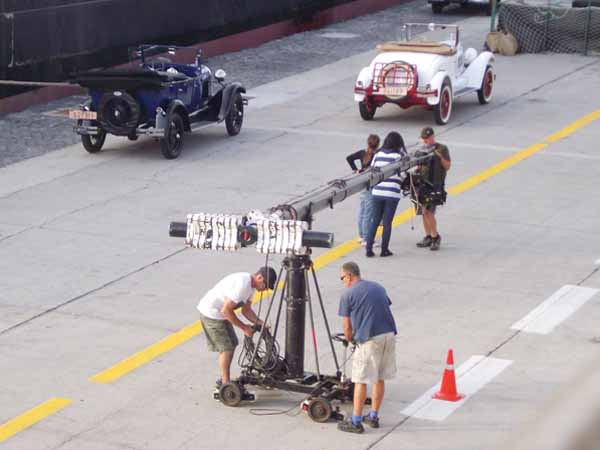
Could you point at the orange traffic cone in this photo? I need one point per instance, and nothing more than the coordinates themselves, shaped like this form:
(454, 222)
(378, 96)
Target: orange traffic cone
(448, 390)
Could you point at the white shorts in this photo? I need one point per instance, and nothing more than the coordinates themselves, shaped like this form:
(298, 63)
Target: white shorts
(375, 360)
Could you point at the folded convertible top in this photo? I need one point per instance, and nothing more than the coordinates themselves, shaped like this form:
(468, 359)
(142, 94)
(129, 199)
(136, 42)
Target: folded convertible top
(126, 79)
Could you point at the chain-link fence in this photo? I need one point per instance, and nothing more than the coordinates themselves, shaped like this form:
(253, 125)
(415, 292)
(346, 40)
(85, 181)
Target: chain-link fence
(553, 26)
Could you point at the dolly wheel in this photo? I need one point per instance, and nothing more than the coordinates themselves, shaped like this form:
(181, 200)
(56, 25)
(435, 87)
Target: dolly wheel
(319, 409)
(231, 394)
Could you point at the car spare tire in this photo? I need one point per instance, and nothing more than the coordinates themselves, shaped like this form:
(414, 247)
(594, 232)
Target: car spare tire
(119, 113)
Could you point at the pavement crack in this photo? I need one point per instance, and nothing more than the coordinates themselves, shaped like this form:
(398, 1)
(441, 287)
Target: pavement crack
(88, 429)
(591, 274)
(87, 293)
(275, 137)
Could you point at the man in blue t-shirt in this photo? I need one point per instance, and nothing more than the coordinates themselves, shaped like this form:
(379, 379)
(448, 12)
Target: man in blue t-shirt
(368, 321)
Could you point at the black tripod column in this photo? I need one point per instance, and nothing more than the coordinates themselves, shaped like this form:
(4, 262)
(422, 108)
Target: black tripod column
(295, 315)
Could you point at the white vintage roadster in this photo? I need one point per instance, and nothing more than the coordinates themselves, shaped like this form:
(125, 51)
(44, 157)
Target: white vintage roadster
(427, 67)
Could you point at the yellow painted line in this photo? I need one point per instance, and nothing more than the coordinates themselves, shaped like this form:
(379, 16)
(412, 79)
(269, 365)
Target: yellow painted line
(570, 129)
(148, 354)
(32, 417)
(183, 335)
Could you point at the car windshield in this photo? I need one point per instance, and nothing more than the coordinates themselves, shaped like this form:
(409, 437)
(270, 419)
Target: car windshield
(430, 33)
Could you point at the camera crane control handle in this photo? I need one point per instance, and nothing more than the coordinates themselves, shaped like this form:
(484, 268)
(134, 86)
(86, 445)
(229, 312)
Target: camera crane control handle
(341, 337)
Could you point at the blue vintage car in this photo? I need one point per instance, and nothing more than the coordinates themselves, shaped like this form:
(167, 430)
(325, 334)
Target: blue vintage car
(157, 98)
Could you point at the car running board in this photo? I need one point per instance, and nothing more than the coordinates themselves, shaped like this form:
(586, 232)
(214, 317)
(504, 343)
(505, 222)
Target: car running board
(464, 91)
(195, 126)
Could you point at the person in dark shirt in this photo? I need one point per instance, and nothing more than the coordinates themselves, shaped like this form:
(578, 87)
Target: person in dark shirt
(365, 156)
(368, 322)
(433, 175)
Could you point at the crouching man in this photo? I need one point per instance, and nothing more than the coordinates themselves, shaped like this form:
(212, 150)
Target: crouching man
(217, 313)
(368, 321)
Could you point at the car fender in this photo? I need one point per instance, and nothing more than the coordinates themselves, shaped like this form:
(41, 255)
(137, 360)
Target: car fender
(436, 85)
(476, 69)
(362, 81)
(228, 95)
(179, 107)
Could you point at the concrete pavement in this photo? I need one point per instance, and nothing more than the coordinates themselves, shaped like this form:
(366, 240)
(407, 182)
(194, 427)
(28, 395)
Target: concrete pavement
(90, 276)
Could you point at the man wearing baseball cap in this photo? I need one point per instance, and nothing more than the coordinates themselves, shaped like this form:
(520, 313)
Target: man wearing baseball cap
(432, 189)
(217, 312)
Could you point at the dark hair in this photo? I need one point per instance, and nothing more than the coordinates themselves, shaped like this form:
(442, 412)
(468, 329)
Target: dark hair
(269, 275)
(351, 268)
(393, 141)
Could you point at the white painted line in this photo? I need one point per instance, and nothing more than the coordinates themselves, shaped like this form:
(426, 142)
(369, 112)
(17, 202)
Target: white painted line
(556, 309)
(471, 376)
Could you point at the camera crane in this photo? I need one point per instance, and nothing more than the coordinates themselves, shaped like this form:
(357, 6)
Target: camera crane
(286, 229)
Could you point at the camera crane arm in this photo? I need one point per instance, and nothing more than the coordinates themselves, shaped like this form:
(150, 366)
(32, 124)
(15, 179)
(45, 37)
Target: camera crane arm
(304, 207)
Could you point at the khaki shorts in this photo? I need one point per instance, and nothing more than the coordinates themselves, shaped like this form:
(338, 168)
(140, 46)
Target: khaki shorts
(220, 336)
(375, 360)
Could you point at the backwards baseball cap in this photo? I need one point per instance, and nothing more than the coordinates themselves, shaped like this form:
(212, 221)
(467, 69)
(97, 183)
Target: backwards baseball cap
(427, 132)
(269, 274)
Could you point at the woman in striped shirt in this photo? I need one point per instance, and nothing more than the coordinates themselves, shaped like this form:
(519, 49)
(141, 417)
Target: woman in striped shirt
(386, 194)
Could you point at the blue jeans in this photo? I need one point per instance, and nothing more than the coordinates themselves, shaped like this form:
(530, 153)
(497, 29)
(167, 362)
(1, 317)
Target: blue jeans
(384, 210)
(365, 214)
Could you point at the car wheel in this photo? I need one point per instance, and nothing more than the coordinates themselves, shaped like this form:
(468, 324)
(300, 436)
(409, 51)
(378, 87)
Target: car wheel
(443, 109)
(235, 118)
(436, 8)
(366, 110)
(172, 142)
(484, 95)
(93, 143)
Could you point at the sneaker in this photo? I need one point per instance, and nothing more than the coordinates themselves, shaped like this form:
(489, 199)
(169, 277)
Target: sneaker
(426, 242)
(435, 243)
(386, 253)
(369, 254)
(372, 422)
(349, 427)
(218, 383)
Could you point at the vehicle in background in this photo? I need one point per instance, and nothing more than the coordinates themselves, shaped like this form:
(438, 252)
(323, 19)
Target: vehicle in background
(157, 98)
(428, 67)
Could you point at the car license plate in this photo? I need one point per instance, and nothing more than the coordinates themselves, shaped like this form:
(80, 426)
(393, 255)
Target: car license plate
(78, 114)
(394, 91)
